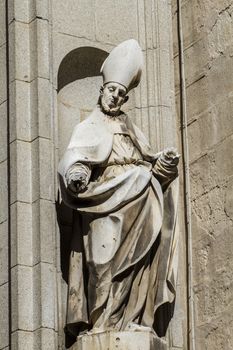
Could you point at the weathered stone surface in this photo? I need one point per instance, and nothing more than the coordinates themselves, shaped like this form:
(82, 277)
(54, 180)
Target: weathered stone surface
(47, 231)
(22, 57)
(23, 340)
(4, 241)
(42, 49)
(46, 169)
(3, 91)
(48, 295)
(4, 325)
(3, 192)
(22, 298)
(22, 10)
(2, 21)
(44, 108)
(108, 29)
(23, 114)
(217, 124)
(24, 171)
(3, 131)
(207, 30)
(65, 18)
(48, 339)
(25, 239)
(120, 341)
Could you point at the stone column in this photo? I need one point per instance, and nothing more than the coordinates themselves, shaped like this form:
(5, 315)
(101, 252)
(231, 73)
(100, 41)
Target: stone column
(32, 227)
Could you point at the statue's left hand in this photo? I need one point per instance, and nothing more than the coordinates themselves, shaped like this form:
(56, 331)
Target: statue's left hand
(171, 156)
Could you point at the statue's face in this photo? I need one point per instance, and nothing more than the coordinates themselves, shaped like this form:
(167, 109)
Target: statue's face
(113, 96)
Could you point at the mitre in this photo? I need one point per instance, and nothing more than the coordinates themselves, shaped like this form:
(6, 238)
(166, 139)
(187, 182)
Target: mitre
(124, 65)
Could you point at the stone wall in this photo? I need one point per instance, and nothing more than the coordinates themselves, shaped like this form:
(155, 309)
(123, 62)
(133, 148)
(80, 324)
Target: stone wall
(37, 37)
(208, 54)
(4, 213)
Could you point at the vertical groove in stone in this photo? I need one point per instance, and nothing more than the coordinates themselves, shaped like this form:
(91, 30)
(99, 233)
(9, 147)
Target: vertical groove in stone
(8, 178)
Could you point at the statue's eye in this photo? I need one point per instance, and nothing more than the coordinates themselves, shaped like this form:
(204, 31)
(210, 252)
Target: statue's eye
(110, 89)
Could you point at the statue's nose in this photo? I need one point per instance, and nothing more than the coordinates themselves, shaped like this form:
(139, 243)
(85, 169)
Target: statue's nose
(115, 94)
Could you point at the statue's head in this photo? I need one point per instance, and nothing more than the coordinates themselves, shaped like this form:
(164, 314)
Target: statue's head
(112, 97)
(121, 72)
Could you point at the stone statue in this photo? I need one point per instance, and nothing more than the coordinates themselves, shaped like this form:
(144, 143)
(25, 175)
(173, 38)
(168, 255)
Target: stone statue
(124, 255)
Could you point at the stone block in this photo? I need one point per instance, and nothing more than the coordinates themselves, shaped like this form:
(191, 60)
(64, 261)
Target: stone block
(42, 9)
(4, 321)
(47, 231)
(25, 238)
(22, 10)
(163, 20)
(48, 295)
(48, 339)
(216, 333)
(202, 181)
(4, 273)
(141, 24)
(210, 251)
(23, 110)
(24, 171)
(22, 298)
(3, 131)
(147, 22)
(213, 298)
(196, 59)
(191, 22)
(46, 169)
(22, 340)
(2, 21)
(76, 19)
(27, 10)
(108, 29)
(42, 49)
(209, 212)
(224, 162)
(217, 123)
(44, 107)
(22, 58)
(3, 87)
(204, 90)
(120, 341)
(3, 192)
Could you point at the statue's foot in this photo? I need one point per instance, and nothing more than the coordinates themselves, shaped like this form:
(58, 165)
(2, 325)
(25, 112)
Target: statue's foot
(138, 328)
(95, 330)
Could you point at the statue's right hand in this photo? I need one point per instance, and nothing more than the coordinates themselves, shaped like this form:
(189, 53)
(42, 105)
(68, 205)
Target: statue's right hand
(77, 182)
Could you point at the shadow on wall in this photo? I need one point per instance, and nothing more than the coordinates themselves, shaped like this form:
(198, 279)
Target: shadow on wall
(81, 63)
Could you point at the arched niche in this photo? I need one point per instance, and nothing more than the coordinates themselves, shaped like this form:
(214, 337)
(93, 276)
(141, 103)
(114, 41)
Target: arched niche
(78, 82)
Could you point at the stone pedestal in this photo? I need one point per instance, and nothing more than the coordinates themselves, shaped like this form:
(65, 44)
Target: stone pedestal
(127, 340)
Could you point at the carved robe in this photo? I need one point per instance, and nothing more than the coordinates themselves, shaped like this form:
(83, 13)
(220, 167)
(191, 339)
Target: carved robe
(124, 252)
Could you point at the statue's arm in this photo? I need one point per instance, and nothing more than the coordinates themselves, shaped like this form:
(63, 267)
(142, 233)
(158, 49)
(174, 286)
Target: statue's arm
(166, 167)
(77, 177)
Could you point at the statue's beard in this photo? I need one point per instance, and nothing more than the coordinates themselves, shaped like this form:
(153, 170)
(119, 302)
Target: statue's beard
(109, 110)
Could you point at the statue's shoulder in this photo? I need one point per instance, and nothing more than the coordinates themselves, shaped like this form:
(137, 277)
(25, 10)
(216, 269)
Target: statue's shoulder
(95, 120)
(90, 131)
